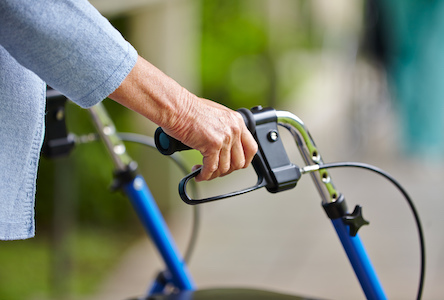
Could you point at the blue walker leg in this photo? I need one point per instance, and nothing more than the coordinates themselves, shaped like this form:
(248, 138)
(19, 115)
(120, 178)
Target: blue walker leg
(360, 262)
(152, 220)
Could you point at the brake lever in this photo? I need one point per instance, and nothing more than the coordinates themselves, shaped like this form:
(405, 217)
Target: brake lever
(188, 200)
(274, 170)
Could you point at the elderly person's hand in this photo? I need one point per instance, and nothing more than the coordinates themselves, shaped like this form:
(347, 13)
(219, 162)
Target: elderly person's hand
(217, 132)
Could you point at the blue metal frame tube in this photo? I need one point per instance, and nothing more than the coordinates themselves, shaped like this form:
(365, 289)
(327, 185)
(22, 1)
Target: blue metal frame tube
(150, 216)
(360, 262)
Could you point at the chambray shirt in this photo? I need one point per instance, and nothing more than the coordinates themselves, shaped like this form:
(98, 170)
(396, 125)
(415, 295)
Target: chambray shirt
(68, 45)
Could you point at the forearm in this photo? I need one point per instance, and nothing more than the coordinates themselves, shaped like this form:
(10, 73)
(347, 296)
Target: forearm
(151, 93)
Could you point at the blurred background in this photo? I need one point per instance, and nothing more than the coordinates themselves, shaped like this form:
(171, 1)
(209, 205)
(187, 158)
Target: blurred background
(365, 77)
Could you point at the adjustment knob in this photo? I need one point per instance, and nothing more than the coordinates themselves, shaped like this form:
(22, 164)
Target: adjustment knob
(355, 220)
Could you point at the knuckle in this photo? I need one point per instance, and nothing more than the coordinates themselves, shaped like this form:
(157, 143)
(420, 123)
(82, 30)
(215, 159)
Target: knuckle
(254, 148)
(216, 143)
(239, 164)
(212, 168)
(236, 130)
(224, 168)
(246, 164)
(251, 150)
(242, 164)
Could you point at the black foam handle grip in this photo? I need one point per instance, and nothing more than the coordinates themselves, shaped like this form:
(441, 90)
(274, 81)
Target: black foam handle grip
(166, 144)
(249, 120)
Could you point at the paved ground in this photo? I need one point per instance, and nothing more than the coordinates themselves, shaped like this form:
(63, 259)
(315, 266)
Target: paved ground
(284, 242)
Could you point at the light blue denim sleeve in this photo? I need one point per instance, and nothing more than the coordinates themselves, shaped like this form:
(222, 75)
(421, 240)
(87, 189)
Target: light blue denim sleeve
(22, 110)
(68, 44)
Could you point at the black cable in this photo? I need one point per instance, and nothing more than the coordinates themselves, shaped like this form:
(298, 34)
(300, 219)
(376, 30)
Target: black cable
(409, 201)
(149, 142)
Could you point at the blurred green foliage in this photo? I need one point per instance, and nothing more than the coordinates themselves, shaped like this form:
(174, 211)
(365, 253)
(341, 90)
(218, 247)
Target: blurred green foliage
(234, 45)
(243, 50)
(26, 266)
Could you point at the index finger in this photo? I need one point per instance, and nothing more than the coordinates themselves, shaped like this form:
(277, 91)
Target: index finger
(210, 165)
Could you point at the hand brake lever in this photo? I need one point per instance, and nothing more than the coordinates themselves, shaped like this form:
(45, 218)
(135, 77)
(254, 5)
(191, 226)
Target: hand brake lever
(188, 200)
